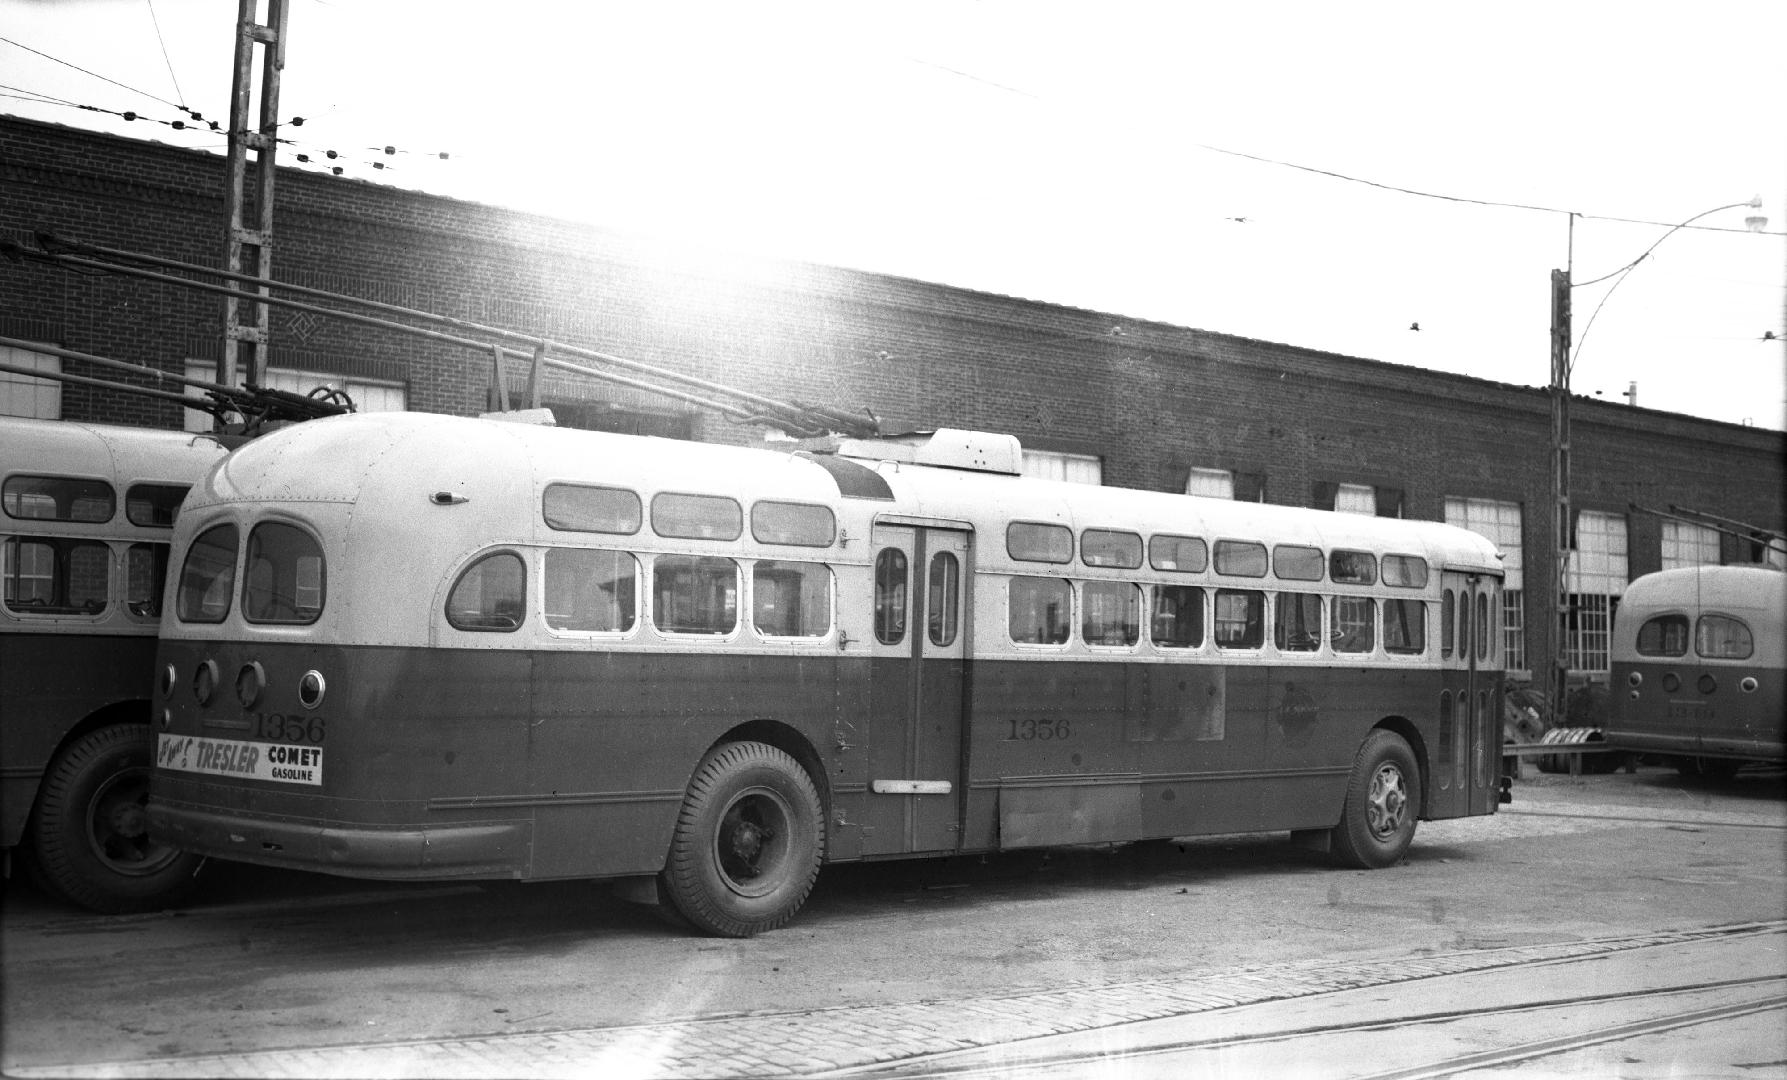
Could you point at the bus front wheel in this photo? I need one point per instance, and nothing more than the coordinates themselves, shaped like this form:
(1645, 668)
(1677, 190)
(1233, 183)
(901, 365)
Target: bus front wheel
(1383, 797)
(90, 840)
(747, 844)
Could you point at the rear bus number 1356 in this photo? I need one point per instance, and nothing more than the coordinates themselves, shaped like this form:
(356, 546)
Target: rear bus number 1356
(1027, 730)
(279, 727)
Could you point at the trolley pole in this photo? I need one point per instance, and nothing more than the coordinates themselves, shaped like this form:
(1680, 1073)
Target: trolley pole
(249, 247)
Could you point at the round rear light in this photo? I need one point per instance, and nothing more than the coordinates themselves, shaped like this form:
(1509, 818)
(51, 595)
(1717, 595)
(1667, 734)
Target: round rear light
(311, 689)
(1636, 678)
(1708, 684)
(204, 682)
(1749, 684)
(250, 681)
(1672, 682)
(168, 678)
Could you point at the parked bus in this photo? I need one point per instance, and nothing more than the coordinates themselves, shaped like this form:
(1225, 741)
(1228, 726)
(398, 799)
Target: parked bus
(1699, 658)
(406, 646)
(86, 517)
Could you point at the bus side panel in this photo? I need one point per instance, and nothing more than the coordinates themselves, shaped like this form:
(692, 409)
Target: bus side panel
(617, 735)
(48, 684)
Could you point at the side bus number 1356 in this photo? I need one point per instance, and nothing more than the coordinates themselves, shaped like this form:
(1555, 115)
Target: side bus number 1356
(1043, 730)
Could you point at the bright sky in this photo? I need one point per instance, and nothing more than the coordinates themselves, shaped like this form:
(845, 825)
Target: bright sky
(1074, 153)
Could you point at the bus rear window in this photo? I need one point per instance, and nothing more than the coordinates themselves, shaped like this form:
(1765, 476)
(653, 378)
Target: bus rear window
(491, 595)
(208, 577)
(1721, 637)
(1664, 635)
(285, 584)
(58, 498)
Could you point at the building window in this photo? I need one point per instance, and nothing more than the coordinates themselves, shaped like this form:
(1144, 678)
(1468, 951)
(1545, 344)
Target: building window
(23, 395)
(1355, 499)
(1500, 523)
(1688, 544)
(1595, 580)
(368, 395)
(1211, 483)
(1359, 499)
(1055, 465)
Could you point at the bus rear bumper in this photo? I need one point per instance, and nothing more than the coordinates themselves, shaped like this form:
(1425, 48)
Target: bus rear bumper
(456, 850)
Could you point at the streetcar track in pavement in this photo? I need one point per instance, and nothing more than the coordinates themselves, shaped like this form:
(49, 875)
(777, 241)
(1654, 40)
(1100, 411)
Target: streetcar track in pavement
(940, 1065)
(855, 1040)
(1707, 822)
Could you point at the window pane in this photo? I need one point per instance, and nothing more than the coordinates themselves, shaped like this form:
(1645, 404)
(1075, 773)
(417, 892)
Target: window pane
(58, 498)
(208, 578)
(1111, 611)
(490, 595)
(579, 508)
(1294, 563)
(591, 591)
(1040, 610)
(1240, 558)
(1355, 619)
(1446, 604)
(694, 594)
(1297, 627)
(1353, 568)
(1405, 626)
(153, 504)
(890, 596)
(793, 523)
(1178, 621)
(1720, 637)
(1240, 617)
(1032, 542)
(1483, 636)
(1664, 635)
(1186, 554)
(146, 572)
(285, 576)
(944, 598)
(1103, 547)
(697, 517)
(1408, 571)
(791, 599)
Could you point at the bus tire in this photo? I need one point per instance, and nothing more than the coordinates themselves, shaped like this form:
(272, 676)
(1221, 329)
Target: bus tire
(747, 844)
(1383, 797)
(90, 841)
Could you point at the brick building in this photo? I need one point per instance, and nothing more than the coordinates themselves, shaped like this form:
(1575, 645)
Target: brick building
(1091, 396)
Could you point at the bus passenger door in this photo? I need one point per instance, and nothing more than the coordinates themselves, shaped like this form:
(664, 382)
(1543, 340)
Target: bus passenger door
(1459, 722)
(916, 693)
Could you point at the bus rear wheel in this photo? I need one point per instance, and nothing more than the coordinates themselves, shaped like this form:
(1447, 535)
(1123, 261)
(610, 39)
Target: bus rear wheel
(1383, 797)
(90, 839)
(747, 844)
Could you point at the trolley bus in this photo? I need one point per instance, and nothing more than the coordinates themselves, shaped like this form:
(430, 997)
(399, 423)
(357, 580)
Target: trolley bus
(86, 517)
(406, 646)
(1699, 658)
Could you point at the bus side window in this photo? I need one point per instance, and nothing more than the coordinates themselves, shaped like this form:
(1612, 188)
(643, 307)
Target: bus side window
(1178, 621)
(1297, 625)
(146, 572)
(591, 590)
(890, 596)
(1040, 610)
(490, 595)
(56, 576)
(791, 599)
(694, 594)
(1355, 624)
(1111, 612)
(1405, 626)
(1240, 618)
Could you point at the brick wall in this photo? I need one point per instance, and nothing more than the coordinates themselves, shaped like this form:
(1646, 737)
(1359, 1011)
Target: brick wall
(1151, 399)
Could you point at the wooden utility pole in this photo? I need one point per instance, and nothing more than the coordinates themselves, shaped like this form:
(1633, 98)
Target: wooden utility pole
(249, 247)
(1557, 635)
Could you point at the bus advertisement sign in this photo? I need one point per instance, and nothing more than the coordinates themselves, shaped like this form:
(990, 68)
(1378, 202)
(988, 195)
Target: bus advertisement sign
(232, 757)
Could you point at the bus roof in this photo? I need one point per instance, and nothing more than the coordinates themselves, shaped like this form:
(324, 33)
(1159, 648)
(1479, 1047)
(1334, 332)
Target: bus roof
(367, 456)
(123, 454)
(1733, 589)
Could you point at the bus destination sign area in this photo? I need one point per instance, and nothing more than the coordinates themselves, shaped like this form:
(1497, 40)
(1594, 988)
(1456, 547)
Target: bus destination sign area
(249, 760)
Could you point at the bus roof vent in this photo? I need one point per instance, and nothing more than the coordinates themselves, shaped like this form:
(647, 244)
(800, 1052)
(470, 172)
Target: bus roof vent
(947, 448)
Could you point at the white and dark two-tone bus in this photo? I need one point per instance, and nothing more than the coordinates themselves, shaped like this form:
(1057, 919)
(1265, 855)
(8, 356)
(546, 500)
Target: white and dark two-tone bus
(86, 517)
(417, 647)
(1699, 666)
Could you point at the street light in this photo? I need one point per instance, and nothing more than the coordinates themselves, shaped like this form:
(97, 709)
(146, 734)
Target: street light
(1563, 360)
